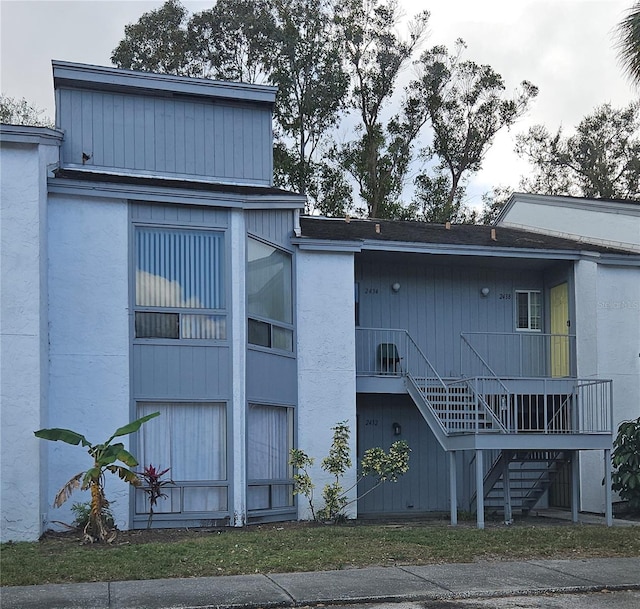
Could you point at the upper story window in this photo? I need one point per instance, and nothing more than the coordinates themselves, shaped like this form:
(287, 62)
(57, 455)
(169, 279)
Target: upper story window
(269, 296)
(179, 284)
(529, 310)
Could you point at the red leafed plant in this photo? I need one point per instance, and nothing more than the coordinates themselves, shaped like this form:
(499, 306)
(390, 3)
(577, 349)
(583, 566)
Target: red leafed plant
(153, 486)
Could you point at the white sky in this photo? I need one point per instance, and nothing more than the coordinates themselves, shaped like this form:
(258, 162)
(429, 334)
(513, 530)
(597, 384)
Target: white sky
(565, 47)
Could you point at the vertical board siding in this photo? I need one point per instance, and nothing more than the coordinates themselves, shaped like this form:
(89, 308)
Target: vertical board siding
(425, 487)
(180, 372)
(437, 302)
(180, 215)
(271, 378)
(170, 136)
(273, 225)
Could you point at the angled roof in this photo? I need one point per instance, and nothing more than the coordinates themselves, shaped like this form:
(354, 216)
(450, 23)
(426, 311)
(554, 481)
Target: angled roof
(375, 234)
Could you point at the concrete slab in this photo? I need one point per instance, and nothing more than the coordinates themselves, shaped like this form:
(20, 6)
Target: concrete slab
(56, 596)
(496, 578)
(600, 571)
(374, 584)
(233, 591)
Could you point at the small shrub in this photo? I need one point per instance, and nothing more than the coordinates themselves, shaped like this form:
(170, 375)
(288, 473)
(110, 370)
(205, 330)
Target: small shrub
(153, 486)
(384, 467)
(82, 513)
(626, 464)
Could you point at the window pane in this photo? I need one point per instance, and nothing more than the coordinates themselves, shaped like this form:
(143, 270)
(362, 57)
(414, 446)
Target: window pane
(535, 303)
(268, 442)
(269, 282)
(157, 325)
(179, 268)
(203, 326)
(282, 338)
(259, 333)
(522, 299)
(190, 438)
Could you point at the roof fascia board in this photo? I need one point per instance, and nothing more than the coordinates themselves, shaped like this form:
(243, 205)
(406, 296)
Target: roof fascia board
(96, 170)
(326, 245)
(584, 204)
(474, 250)
(67, 73)
(172, 195)
(22, 134)
(505, 210)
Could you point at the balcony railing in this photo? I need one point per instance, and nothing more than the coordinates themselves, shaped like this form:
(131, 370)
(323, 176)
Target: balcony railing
(518, 354)
(488, 402)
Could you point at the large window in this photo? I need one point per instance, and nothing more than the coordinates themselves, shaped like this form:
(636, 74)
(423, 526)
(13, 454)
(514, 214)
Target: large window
(529, 310)
(179, 284)
(269, 439)
(269, 296)
(191, 439)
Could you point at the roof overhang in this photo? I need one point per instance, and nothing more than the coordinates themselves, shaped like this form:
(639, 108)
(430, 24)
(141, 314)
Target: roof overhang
(184, 192)
(85, 76)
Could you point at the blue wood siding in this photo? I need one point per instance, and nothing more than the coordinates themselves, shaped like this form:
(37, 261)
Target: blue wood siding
(169, 136)
(181, 373)
(271, 378)
(275, 226)
(425, 487)
(180, 215)
(437, 302)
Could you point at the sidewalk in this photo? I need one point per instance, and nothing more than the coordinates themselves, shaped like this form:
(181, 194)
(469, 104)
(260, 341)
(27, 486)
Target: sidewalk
(378, 584)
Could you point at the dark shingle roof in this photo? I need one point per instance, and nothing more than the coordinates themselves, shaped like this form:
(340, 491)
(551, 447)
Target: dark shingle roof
(335, 229)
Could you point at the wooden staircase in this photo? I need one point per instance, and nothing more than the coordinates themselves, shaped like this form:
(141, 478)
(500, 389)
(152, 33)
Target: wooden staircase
(531, 473)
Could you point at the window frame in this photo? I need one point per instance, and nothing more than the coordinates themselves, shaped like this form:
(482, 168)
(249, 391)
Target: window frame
(178, 489)
(270, 322)
(181, 311)
(271, 482)
(530, 318)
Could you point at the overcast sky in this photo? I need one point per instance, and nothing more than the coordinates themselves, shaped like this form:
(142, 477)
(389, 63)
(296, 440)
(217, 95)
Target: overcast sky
(565, 47)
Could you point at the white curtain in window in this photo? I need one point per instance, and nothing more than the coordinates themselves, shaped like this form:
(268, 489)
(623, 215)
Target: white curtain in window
(268, 441)
(190, 438)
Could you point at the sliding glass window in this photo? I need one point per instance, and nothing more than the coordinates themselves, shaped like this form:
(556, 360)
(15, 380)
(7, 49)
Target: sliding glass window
(179, 284)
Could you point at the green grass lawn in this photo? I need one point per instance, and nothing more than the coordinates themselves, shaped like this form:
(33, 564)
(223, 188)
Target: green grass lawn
(286, 548)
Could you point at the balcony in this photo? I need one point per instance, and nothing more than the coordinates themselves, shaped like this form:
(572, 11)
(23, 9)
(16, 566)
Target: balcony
(525, 399)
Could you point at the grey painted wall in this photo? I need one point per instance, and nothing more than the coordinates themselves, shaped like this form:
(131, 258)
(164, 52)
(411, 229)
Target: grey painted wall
(437, 301)
(425, 487)
(275, 226)
(174, 136)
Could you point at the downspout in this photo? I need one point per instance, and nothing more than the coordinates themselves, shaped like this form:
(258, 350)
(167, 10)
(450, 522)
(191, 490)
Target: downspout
(297, 231)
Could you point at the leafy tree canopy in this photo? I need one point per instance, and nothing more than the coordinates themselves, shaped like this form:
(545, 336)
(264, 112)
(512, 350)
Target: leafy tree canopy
(467, 105)
(628, 43)
(600, 160)
(14, 111)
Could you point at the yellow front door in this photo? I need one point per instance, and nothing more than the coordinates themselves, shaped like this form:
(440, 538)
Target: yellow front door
(559, 298)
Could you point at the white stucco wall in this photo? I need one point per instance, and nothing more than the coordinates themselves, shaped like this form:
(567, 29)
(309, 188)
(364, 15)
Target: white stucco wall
(588, 220)
(238, 236)
(326, 361)
(89, 339)
(608, 328)
(23, 331)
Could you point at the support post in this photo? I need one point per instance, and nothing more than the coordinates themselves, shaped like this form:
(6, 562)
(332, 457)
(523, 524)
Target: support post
(607, 487)
(506, 480)
(453, 488)
(479, 489)
(575, 486)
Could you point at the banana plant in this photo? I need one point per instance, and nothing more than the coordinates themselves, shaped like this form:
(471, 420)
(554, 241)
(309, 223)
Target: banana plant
(105, 459)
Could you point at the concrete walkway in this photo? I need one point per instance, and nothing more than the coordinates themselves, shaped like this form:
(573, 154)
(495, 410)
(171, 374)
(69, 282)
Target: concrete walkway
(378, 584)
